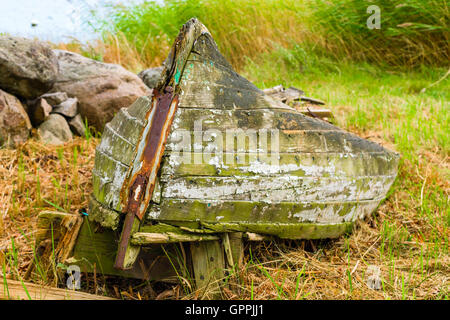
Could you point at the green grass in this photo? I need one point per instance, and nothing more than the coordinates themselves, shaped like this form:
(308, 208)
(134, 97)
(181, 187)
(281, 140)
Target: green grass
(413, 32)
(368, 98)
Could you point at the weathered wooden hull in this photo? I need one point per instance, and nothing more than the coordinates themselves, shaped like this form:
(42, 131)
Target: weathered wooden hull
(291, 176)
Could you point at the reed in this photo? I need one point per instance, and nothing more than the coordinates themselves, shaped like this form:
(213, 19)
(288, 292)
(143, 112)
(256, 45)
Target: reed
(412, 32)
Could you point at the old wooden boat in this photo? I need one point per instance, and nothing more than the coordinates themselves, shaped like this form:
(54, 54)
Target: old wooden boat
(235, 162)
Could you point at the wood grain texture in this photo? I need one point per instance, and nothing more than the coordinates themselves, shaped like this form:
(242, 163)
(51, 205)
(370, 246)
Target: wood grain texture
(18, 290)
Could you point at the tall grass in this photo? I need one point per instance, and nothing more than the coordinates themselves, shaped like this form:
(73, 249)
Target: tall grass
(412, 32)
(243, 28)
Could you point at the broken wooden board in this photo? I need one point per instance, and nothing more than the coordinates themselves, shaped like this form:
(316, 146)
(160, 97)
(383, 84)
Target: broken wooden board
(19, 290)
(296, 98)
(95, 249)
(285, 95)
(290, 95)
(163, 233)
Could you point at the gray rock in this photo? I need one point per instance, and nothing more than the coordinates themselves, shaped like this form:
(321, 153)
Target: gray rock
(55, 130)
(55, 98)
(77, 125)
(67, 108)
(28, 67)
(101, 88)
(151, 76)
(15, 125)
(39, 111)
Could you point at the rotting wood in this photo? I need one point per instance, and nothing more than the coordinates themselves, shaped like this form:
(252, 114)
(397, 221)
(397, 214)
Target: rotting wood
(72, 225)
(237, 248)
(19, 290)
(283, 189)
(276, 89)
(143, 238)
(237, 251)
(325, 165)
(212, 92)
(99, 248)
(285, 95)
(208, 266)
(290, 94)
(227, 248)
(324, 179)
(49, 225)
(284, 218)
(58, 231)
(321, 113)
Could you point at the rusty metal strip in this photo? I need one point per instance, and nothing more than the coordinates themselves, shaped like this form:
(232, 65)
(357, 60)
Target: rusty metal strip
(138, 187)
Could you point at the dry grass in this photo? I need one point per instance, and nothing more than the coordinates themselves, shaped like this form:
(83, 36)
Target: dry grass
(411, 253)
(35, 177)
(251, 28)
(403, 243)
(117, 49)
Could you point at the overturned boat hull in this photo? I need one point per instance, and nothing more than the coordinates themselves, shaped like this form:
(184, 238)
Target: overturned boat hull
(237, 160)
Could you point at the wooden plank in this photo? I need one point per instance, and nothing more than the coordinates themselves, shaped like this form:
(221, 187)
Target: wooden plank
(208, 266)
(276, 89)
(277, 213)
(312, 100)
(285, 95)
(264, 118)
(288, 188)
(227, 249)
(146, 238)
(305, 164)
(237, 248)
(17, 290)
(234, 252)
(117, 145)
(282, 141)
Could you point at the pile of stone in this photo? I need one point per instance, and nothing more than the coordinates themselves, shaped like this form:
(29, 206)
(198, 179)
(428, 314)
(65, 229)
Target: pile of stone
(57, 92)
(56, 116)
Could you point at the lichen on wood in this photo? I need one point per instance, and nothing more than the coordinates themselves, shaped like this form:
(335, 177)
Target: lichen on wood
(324, 178)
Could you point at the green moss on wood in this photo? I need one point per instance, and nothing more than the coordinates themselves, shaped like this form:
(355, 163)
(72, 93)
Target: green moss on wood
(104, 216)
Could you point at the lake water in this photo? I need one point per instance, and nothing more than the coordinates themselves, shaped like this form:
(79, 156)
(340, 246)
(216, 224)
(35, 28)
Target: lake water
(56, 20)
